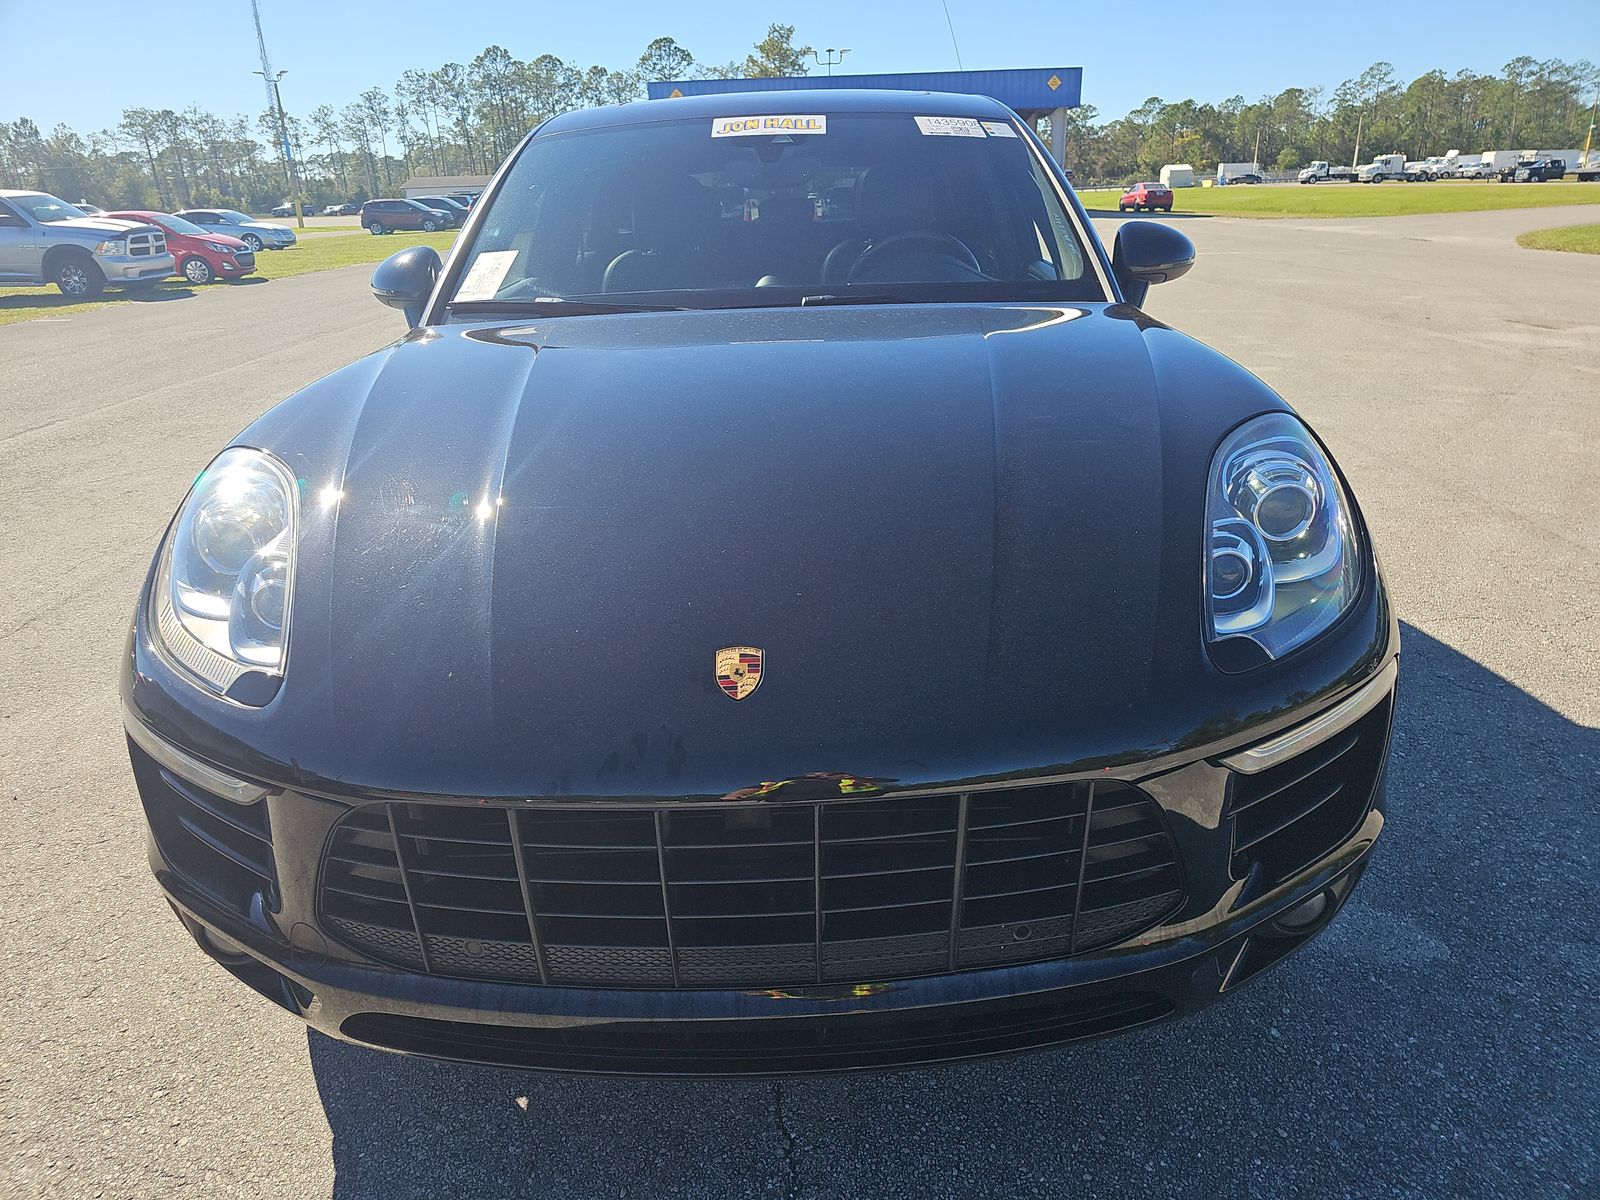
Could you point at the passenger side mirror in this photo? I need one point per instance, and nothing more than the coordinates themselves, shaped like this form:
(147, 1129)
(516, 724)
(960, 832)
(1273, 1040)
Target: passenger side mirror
(1147, 252)
(405, 281)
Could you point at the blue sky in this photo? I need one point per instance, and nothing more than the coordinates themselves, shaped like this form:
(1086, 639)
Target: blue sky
(1129, 49)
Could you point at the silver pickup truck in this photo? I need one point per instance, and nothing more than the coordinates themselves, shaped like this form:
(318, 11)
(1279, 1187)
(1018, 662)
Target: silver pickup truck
(46, 240)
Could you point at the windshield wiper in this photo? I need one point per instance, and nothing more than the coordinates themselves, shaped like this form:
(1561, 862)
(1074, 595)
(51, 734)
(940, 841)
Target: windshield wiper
(558, 306)
(854, 298)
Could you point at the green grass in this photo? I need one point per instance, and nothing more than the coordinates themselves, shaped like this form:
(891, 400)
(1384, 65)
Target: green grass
(1580, 239)
(1366, 199)
(312, 254)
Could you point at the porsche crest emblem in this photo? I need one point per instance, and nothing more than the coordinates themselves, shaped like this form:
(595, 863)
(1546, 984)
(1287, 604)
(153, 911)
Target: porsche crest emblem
(739, 670)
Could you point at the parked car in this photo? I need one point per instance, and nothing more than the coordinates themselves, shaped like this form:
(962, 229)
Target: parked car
(447, 694)
(46, 240)
(462, 198)
(287, 209)
(94, 210)
(457, 212)
(1247, 177)
(1146, 195)
(200, 255)
(258, 235)
(386, 216)
(341, 210)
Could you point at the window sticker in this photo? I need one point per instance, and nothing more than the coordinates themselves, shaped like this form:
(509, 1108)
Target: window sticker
(950, 127)
(488, 272)
(772, 123)
(999, 129)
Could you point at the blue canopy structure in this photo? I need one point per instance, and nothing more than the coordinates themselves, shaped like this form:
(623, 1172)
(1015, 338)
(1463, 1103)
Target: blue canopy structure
(1031, 92)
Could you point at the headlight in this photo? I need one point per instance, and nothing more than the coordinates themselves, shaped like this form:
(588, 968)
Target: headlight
(226, 582)
(1282, 561)
(109, 248)
(217, 248)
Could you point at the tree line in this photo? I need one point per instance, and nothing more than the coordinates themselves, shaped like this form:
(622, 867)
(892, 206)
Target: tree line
(464, 119)
(1529, 105)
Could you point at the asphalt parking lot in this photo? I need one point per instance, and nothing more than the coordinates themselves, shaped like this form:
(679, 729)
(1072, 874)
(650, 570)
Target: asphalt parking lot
(1440, 1040)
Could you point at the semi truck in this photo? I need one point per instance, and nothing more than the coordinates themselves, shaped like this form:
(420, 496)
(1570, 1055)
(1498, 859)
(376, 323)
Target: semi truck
(1321, 172)
(1384, 166)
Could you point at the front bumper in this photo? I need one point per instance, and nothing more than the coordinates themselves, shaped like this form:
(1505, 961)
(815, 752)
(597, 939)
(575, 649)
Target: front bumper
(123, 268)
(1236, 919)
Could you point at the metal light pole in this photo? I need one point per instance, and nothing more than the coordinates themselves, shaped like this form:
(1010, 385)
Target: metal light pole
(827, 57)
(291, 172)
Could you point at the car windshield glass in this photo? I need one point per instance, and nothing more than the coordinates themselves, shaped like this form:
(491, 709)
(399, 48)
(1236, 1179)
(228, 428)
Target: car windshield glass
(702, 213)
(46, 209)
(234, 215)
(180, 225)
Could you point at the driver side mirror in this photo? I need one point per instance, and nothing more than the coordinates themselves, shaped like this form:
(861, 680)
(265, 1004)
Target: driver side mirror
(1147, 252)
(405, 281)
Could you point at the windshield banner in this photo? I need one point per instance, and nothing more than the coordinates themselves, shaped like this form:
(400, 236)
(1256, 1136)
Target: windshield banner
(776, 123)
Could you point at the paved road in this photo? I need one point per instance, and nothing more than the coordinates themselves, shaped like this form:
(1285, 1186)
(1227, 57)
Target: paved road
(1440, 1040)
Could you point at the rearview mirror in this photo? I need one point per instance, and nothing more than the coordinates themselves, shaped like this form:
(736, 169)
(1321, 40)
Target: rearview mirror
(405, 281)
(1148, 252)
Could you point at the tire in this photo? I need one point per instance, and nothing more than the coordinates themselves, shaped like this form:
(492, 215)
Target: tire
(1122, 208)
(253, 241)
(196, 270)
(77, 276)
(377, 228)
(430, 226)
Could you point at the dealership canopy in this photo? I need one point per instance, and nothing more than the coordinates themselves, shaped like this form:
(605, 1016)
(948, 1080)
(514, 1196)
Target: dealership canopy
(1032, 92)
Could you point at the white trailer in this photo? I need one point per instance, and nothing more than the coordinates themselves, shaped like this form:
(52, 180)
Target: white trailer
(1227, 171)
(1492, 162)
(1177, 175)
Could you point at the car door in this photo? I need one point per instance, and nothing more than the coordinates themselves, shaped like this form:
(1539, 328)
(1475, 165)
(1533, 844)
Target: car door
(21, 245)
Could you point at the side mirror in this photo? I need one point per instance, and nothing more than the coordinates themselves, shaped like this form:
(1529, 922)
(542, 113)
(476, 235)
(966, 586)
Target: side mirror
(405, 281)
(1147, 252)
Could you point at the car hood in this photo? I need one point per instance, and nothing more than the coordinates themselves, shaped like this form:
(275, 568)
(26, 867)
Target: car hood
(967, 541)
(106, 225)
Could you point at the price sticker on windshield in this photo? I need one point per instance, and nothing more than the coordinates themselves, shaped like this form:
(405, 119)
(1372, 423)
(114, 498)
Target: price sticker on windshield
(772, 123)
(488, 272)
(950, 127)
(999, 129)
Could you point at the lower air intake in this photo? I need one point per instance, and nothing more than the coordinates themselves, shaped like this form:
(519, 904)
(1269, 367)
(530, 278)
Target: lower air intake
(749, 895)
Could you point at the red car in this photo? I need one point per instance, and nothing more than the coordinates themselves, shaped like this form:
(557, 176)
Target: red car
(200, 255)
(1146, 195)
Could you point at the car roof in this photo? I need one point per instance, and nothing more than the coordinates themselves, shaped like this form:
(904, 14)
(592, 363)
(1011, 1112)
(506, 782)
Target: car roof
(819, 101)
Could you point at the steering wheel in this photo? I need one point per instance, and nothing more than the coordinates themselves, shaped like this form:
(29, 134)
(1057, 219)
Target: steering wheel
(903, 245)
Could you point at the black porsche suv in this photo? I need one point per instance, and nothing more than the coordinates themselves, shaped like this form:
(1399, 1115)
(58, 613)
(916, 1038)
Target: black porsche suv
(742, 634)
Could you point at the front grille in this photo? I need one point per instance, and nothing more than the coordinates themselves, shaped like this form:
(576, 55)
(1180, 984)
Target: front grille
(143, 245)
(749, 895)
(1288, 816)
(219, 848)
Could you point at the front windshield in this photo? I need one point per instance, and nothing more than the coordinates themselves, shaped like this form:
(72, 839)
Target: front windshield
(735, 212)
(180, 225)
(47, 209)
(235, 216)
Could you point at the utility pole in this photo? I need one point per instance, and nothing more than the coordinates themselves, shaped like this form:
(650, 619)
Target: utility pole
(291, 173)
(1583, 159)
(827, 57)
(1356, 155)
